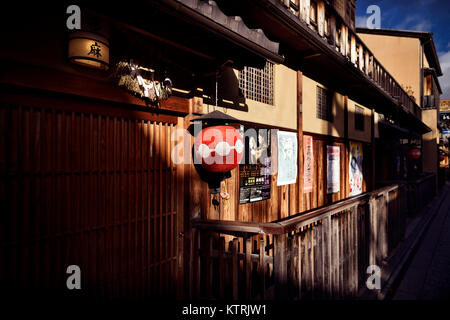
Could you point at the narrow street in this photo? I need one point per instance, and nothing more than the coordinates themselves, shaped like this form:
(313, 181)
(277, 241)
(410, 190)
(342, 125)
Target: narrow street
(427, 277)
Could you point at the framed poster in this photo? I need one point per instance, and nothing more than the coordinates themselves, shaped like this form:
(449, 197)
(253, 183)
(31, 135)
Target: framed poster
(287, 158)
(254, 169)
(355, 168)
(333, 172)
(308, 162)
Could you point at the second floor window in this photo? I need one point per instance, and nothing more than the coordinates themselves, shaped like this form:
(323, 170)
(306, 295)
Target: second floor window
(324, 104)
(313, 12)
(257, 84)
(359, 118)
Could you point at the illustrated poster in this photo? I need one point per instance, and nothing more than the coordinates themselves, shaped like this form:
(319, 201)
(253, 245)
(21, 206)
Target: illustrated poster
(355, 172)
(287, 158)
(333, 173)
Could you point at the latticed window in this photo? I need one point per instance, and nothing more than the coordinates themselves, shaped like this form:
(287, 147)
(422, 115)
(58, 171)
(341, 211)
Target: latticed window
(359, 118)
(324, 104)
(257, 84)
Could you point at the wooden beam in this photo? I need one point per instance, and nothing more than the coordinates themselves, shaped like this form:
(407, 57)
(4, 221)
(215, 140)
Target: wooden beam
(50, 80)
(372, 143)
(301, 204)
(312, 56)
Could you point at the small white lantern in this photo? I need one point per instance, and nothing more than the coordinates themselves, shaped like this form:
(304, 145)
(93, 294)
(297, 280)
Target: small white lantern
(89, 50)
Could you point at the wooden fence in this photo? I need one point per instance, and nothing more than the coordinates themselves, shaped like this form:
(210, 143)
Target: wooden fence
(421, 191)
(320, 254)
(92, 186)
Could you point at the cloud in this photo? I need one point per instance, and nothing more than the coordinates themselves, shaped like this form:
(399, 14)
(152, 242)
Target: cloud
(444, 59)
(361, 21)
(414, 22)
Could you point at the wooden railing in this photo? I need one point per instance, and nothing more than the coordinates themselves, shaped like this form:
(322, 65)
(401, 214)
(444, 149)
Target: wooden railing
(331, 28)
(420, 192)
(319, 254)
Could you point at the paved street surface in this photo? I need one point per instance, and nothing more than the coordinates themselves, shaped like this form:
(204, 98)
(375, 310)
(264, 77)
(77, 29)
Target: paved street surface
(427, 277)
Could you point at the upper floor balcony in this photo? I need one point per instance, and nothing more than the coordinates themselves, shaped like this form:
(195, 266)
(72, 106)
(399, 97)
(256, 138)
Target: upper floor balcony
(432, 89)
(315, 39)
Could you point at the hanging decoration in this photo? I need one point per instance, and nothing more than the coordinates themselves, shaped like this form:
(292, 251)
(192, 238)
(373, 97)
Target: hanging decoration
(219, 148)
(139, 81)
(414, 153)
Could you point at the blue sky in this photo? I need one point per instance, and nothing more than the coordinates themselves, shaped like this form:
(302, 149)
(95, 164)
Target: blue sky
(421, 15)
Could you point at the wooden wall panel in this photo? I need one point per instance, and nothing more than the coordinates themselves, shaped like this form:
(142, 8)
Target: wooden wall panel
(88, 189)
(284, 200)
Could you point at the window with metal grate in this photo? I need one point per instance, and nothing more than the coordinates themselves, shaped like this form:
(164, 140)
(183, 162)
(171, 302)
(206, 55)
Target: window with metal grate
(359, 118)
(324, 104)
(257, 84)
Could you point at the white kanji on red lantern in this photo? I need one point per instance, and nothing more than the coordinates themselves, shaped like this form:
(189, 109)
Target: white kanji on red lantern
(219, 148)
(414, 153)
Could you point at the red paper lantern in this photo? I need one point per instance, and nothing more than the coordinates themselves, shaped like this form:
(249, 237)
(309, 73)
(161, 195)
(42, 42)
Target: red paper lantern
(219, 148)
(414, 153)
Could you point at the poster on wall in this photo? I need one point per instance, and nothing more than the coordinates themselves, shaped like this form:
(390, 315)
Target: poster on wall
(254, 169)
(308, 162)
(333, 173)
(355, 169)
(287, 158)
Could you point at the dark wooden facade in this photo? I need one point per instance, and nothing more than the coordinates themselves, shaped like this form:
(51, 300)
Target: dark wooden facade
(84, 183)
(87, 179)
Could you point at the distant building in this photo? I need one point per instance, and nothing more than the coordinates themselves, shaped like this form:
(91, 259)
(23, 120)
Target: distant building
(444, 123)
(410, 56)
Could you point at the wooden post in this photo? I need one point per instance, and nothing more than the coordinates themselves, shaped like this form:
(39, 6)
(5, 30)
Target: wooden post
(301, 205)
(248, 267)
(234, 267)
(295, 261)
(353, 49)
(318, 262)
(209, 265)
(280, 266)
(341, 242)
(196, 268)
(372, 142)
(355, 250)
(299, 265)
(372, 231)
(335, 257)
(289, 265)
(343, 41)
(361, 57)
(262, 268)
(182, 243)
(221, 266)
(333, 31)
(306, 10)
(327, 268)
(346, 253)
(384, 225)
(366, 62)
(307, 261)
(321, 17)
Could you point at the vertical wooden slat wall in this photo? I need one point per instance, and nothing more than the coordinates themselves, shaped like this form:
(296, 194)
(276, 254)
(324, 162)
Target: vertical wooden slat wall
(88, 189)
(284, 200)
